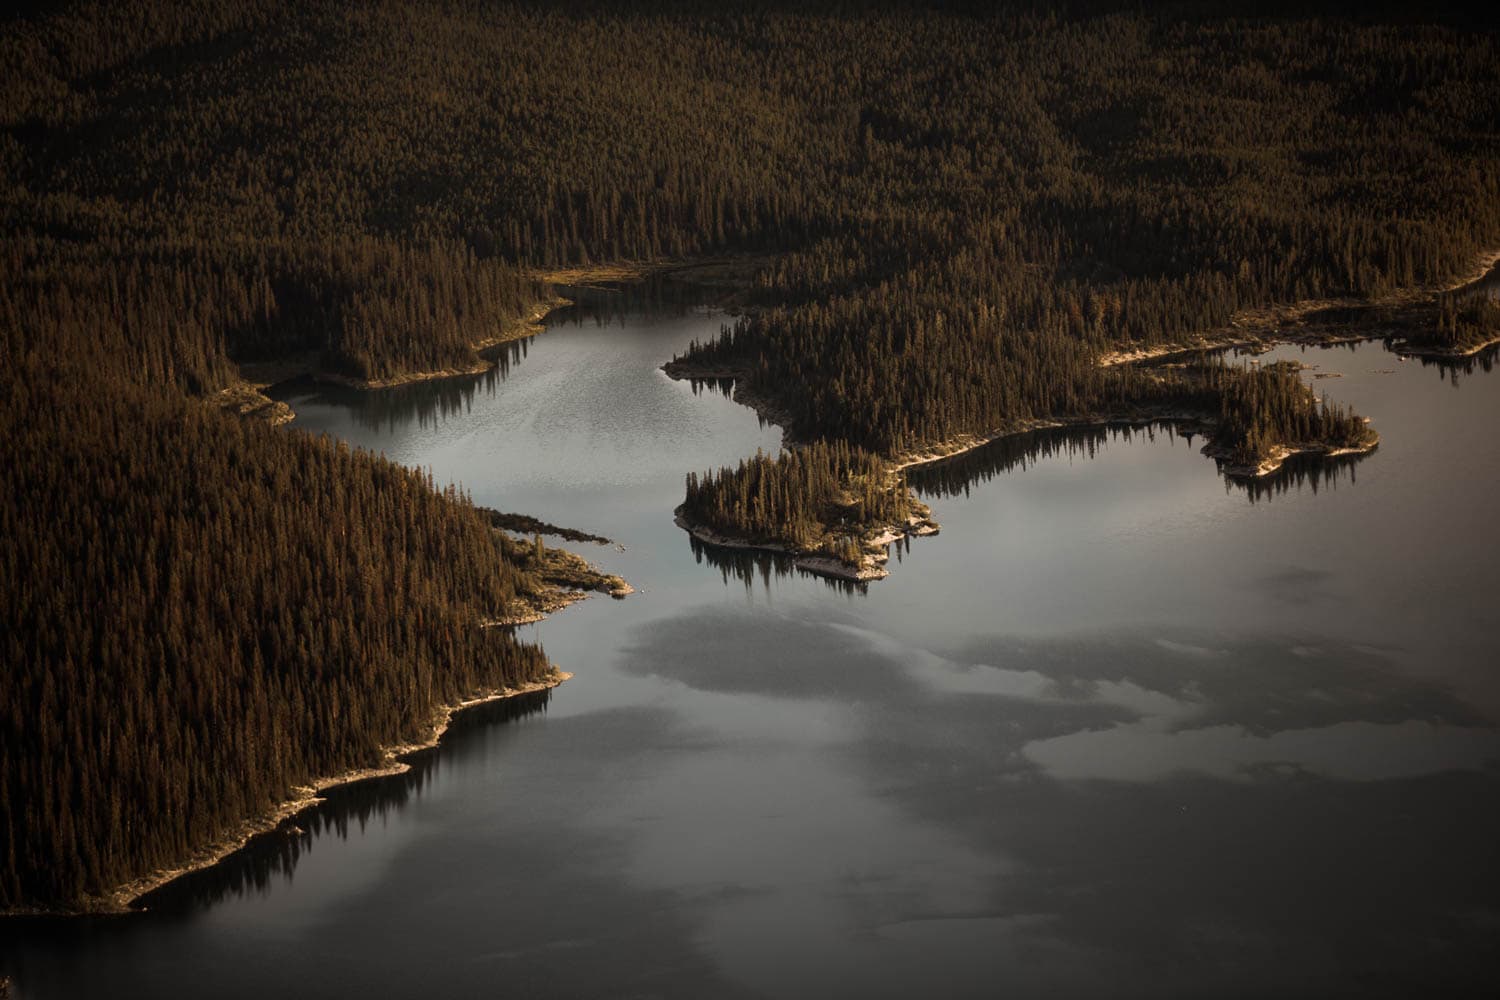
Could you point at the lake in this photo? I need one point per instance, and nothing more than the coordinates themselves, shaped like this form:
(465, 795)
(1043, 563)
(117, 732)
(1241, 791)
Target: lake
(1122, 728)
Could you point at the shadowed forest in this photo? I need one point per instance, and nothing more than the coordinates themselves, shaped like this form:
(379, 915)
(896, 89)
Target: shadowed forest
(957, 211)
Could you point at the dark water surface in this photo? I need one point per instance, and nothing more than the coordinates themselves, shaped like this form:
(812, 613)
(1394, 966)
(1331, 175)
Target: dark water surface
(1121, 729)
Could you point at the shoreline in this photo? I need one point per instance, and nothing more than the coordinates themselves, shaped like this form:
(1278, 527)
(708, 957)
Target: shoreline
(871, 565)
(721, 271)
(246, 398)
(1444, 353)
(551, 603)
(125, 899)
(1183, 420)
(257, 376)
(942, 451)
(765, 409)
(1264, 326)
(528, 325)
(1260, 330)
(1278, 458)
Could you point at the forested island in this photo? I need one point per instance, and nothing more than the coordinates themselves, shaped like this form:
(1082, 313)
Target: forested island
(956, 216)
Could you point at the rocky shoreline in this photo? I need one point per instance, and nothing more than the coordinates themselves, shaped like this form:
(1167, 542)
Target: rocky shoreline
(1273, 463)
(872, 562)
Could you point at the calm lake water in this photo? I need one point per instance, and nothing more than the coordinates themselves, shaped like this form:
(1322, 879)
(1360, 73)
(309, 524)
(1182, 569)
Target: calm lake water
(1121, 729)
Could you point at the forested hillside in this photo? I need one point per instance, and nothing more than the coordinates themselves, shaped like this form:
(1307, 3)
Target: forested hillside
(969, 205)
(965, 206)
(201, 612)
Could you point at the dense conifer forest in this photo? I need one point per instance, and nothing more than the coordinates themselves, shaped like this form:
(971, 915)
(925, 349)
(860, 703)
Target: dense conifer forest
(831, 499)
(816, 498)
(202, 612)
(964, 207)
(1463, 325)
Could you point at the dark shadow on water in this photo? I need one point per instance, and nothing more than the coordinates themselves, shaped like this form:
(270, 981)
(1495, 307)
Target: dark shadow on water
(1258, 683)
(710, 386)
(1299, 472)
(613, 303)
(957, 476)
(484, 931)
(345, 809)
(1452, 369)
(431, 403)
(1280, 878)
(749, 566)
(427, 404)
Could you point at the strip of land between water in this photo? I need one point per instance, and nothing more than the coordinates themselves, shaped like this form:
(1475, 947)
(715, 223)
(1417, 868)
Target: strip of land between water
(1264, 327)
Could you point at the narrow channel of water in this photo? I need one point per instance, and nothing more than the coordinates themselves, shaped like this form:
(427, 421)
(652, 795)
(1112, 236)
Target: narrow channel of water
(1121, 729)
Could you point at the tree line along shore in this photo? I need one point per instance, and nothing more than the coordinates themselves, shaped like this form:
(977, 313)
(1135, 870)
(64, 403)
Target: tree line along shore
(955, 213)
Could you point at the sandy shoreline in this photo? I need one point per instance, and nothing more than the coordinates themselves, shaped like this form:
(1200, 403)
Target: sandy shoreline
(1483, 264)
(963, 444)
(872, 568)
(527, 326)
(556, 600)
(768, 411)
(125, 898)
(954, 447)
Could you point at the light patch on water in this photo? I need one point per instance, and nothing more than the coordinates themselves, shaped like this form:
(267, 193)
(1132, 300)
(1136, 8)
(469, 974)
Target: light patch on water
(1188, 649)
(1149, 751)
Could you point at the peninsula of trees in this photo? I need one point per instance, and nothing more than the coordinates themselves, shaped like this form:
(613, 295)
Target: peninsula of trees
(964, 209)
(838, 506)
